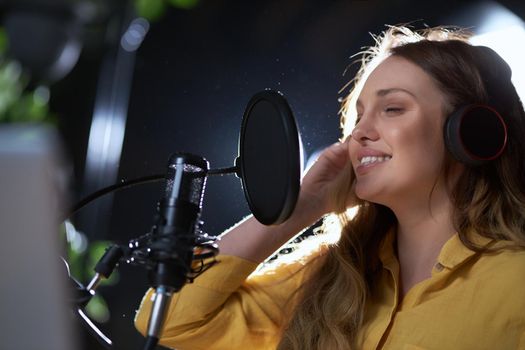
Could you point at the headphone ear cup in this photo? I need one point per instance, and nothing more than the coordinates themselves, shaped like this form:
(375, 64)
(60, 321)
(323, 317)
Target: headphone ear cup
(475, 134)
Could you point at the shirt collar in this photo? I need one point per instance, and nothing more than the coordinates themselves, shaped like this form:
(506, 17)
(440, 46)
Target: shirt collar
(454, 252)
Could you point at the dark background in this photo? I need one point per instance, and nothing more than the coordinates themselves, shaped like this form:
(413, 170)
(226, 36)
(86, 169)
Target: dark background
(190, 82)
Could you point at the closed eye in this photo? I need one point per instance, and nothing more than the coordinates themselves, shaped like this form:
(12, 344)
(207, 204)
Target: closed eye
(394, 110)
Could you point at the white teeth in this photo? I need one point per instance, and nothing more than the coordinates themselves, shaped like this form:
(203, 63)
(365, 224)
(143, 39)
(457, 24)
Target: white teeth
(370, 160)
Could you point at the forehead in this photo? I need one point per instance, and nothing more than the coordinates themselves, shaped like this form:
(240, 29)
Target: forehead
(397, 72)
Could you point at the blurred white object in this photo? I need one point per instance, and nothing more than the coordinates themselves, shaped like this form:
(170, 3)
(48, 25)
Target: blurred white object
(34, 301)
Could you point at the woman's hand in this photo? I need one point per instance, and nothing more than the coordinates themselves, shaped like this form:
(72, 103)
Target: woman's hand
(328, 185)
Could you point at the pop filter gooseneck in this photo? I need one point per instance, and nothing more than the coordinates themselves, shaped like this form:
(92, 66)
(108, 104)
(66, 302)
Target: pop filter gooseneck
(269, 163)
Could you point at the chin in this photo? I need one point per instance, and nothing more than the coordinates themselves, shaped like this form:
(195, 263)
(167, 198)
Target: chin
(364, 195)
(370, 196)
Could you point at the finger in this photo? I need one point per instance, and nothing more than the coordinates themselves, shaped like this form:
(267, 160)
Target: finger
(337, 154)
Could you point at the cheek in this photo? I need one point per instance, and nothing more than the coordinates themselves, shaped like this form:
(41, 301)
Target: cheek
(433, 142)
(429, 140)
(420, 144)
(426, 130)
(428, 151)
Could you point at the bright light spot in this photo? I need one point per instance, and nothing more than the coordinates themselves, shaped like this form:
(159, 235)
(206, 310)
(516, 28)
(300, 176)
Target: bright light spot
(13, 71)
(135, 34)
(351, 212)
(504, 32)
(76, 239)
(105, 137)
(67, 59)
(312, 159)
(41, 95)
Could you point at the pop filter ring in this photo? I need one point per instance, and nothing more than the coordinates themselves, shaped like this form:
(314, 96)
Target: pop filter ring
(269, 166)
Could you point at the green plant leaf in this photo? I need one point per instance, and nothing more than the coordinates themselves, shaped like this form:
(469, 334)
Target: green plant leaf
(152, 10)
(97, 309)
(184, 4)
(3, 41)
(27, 110)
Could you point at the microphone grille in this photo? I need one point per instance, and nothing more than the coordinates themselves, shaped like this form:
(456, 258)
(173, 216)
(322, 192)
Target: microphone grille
(186, 178)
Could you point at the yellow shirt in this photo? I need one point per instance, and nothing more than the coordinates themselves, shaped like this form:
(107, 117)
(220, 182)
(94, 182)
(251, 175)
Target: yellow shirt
(471, 301)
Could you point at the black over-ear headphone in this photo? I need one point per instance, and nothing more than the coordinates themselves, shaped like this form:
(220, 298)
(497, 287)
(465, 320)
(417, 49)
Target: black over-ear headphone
(476, 133)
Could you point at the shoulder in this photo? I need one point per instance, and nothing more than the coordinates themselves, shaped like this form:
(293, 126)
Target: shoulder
(504, 256)
(503, 268)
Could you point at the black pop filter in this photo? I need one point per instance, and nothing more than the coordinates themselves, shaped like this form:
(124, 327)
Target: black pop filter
(269, 162)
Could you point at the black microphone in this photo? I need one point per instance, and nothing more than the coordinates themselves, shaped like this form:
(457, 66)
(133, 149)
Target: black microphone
(174, 233)
(177, 220)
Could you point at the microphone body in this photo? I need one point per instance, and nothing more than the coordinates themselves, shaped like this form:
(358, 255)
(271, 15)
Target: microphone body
(177, 220)
(174, 233)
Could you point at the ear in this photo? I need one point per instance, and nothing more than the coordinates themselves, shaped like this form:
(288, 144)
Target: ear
(475, 134)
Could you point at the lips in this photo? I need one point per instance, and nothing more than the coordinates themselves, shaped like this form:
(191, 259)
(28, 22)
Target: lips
(369, 152)
(373, 159)
(368, 159)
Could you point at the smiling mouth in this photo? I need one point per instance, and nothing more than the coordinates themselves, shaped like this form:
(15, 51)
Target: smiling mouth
(372, 159)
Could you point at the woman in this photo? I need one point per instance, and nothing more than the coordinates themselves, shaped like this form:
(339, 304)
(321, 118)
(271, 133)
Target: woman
(432, 259)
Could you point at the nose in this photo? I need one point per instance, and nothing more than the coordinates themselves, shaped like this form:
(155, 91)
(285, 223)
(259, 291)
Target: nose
(365, 130)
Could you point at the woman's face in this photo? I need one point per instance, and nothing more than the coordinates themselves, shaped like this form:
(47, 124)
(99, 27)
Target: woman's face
(397, 146)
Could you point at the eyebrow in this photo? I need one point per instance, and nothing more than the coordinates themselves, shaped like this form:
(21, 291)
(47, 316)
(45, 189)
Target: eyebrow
(384, 92)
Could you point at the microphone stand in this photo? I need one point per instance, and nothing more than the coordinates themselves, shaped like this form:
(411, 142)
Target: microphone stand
(175, 241)
(138, 252)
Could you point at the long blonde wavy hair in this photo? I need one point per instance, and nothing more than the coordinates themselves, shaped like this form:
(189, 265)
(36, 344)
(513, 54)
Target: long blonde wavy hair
(489, 199)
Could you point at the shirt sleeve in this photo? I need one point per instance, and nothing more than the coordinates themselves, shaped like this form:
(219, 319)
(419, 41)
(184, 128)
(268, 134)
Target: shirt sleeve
(228, 306)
